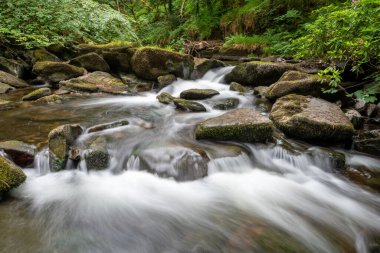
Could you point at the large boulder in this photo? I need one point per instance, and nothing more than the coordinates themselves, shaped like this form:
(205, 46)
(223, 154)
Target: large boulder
(311, 118)
(11, 80)
(368, 142)
(95, 82)
(298, 83)
(11, 66)
(182, 164)
(20, 152)
(57, 71)
(97, 156)
(258, 73)
(61, 140)
(150, 63)
(244, 125)
(198, 94)
(91, 62)
(190, 106)
(202, 66)
(36, 94)
(11, 175)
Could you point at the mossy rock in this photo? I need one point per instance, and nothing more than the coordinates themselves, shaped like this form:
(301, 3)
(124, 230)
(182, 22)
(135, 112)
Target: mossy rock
(11, 176)
(61, 140)
(186, 105)
(311, 118)
(57, 71)
(368, 142)
(150, 63)
(234, 86)
(91, 62)
(11, 80)
(296, 82)
(260, 91)
(202, 66)
(12, 66)
(41, 54)
(226, 104)
(36, 94)
(106, 126)
(49, 100)
(136, 84)
(258, 73)
(243, 125)
(198, 94)
(20, 152)
(97, 156)
(4, 88)
(95, 82)
(165, 98)
(123, 46)
(166, 80)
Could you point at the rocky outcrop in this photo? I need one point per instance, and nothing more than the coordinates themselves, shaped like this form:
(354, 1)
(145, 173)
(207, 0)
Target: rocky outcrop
(202, 66)
(150, 63)
(95, 82)
(198, 94)
(296, 82)
(91, 62)
(311, 118)
(186, 105)
(61, 140)
(36, 94)
(166, 80)
(11, 80)
(234, 86)
(11, 176)
(20, 152)
(97, 156)
(245, 125)
(57, 71)
(226, 104)
(165, 98)
(258, 73)
(368, 142)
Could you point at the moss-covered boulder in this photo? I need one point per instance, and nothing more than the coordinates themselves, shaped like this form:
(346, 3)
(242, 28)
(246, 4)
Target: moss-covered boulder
(186, 105)
(368, 142)
(20, 152)
(166, 80)
(95, 82)
(36, 94)
(12, 66)
(296, 82)
(122, 46)
(165, 98)
(150, 63)
(4, 88)
(136, 84)
(91, 62)
(245, 125)
(234, 86)
(258, 73)
(41, 54)
(226, 104)
(49, 100)
(202, 66)
(61, 140)
(11, 176)
(57, 71)
(311, 118)
(198, 94)
(97, 156)
(106, 126)
(11, 80)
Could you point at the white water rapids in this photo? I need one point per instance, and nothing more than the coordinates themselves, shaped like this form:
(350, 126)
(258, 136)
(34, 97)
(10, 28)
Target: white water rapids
(265, 199)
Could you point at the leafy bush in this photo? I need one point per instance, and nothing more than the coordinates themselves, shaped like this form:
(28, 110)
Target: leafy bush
(40, 23)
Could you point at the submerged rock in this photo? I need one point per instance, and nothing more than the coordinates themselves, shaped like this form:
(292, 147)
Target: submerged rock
(11, 80)
(166, 80)
(57, 71)
(7, 105)
(198, 94)
(36, 94)
(234, 86)
(106, 126)
(20, 152)
(61, 140)
(11, 176)
(186, 105)
(182, 164)
(258, 73)
(97, 156)
(91, 62)
(243, 125)
(95, 82)
(311, 118)
(4, 88)
(165, 98)
(368, 142)
(226, 104)
(202, 66)
(150, 63)
(136, 84)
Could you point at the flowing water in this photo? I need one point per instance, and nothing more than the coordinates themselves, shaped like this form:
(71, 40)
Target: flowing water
(284, 196)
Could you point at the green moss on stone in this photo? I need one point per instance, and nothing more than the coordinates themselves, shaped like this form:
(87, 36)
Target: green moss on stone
(11, 175)
(36, 94)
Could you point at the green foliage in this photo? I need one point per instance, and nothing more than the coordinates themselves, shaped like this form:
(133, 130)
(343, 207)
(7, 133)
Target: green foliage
(369, 94)
(34, 23)
(333, 76)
